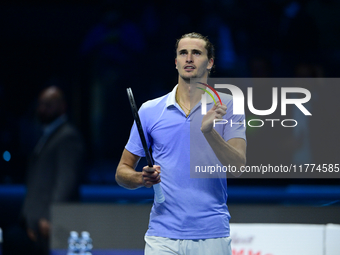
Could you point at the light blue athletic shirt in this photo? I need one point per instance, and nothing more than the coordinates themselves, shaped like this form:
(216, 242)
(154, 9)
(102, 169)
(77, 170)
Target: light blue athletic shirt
(194, 208)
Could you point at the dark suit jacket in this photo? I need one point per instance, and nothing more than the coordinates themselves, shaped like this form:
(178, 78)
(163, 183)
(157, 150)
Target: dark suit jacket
(53, 174)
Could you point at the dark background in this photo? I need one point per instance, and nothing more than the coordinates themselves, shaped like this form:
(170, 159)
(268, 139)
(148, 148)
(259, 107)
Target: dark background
(94, 50)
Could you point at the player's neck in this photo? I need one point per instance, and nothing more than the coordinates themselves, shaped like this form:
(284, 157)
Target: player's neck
(187, 94)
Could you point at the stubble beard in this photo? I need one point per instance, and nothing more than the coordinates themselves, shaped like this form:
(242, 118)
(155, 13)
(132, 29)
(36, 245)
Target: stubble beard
(187, 79)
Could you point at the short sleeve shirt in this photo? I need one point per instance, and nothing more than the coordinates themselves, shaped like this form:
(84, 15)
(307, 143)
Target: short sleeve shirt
(194, 207)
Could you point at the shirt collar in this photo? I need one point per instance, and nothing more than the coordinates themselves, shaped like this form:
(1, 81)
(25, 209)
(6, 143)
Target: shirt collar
(172, 97)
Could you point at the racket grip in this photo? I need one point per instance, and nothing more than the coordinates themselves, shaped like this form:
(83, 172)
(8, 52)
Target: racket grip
(158, 193)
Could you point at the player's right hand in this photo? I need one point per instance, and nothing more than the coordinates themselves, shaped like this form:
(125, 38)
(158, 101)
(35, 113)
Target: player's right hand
(151, 175)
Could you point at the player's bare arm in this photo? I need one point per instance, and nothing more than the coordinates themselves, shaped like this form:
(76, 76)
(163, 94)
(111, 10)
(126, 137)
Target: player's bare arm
(128, 177)
(232, 152)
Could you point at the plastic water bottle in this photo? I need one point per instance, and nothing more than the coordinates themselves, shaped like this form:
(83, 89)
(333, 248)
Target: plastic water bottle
(73, 243)
(0, 241)
(85, 244)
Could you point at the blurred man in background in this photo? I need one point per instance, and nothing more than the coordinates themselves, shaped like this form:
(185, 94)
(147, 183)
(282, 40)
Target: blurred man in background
(53, 175)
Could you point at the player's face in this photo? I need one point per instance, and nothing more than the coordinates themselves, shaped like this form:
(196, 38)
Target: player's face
(192, 59)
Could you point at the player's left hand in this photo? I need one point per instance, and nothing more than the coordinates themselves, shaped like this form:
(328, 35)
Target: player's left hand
(215, 113)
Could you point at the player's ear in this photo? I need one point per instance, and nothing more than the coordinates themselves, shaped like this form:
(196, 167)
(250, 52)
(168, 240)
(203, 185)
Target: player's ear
(210, 64)
(176, 63)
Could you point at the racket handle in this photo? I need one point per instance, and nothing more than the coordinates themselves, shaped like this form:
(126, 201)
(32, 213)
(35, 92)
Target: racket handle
(158, 193)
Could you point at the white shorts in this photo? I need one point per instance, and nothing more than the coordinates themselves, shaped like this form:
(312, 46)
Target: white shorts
(155, 245)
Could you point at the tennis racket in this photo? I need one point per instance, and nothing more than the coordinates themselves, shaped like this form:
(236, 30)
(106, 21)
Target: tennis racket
(157, 187)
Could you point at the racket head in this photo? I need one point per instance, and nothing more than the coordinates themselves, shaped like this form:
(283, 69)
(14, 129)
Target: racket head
(139, 126)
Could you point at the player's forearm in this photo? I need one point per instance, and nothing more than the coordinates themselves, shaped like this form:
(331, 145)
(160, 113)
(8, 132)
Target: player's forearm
(128, 178)
(225, 152)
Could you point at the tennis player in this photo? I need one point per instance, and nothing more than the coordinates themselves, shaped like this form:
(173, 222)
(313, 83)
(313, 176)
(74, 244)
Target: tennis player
(194, 218)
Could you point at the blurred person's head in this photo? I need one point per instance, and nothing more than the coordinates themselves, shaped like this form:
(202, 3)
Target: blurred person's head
(51, 105)
(308, 70)
(260, 67)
